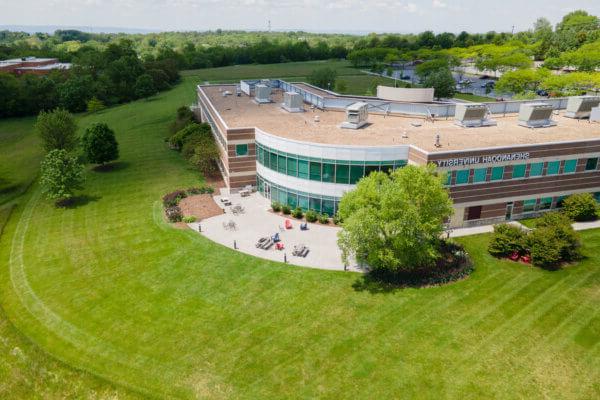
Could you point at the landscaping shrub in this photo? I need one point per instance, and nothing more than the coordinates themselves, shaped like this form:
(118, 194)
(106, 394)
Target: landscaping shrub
(189, 219)
(311, 216)
(506, 240)
(337, 219)
(558, 227)
(276, 206)
(286, 209)
(545, 248)
(173, 198)
(324, 218)
(204, 189)
(174, 214)
(297, 213)
(581, 207)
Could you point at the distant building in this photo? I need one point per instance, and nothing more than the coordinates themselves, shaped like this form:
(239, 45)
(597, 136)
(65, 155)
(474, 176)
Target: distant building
(32, 65)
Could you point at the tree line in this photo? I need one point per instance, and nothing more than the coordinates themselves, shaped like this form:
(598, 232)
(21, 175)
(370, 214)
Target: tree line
(98, 78)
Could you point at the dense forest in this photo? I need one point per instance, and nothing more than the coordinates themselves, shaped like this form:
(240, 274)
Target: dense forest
(116, 68)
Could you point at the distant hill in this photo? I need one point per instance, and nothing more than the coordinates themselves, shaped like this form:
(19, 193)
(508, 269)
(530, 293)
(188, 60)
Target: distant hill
(90, 29)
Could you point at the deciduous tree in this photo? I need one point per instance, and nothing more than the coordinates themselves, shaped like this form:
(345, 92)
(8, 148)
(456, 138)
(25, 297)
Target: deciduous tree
(57, 129)
(61, 175)
(99, 144)
(394, 222)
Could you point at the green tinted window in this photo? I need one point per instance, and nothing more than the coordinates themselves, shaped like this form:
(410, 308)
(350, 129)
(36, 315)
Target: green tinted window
(462, 176)
(315, 204)
(570, 166)
(292, 166)
(273, 161)
(342, 173)
(356, 172)
(518, 171)
(303, 169)
(241, 150)
(479, 175)
(315, 171)
(387, 168)
(371, 168)
(591, 164)
(328, 172)
(329, 207)
(545, 203)
(560, 200)
(497, 174)
(536, 169)
(529, 205)
(281, 164)
(303, 202)
(553, 167)
(292, 200)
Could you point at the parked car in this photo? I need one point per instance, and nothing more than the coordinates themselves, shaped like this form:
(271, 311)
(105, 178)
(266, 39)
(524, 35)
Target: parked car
(541, 92)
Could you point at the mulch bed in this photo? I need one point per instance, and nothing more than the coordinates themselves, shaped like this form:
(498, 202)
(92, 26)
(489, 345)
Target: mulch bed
(201, 206)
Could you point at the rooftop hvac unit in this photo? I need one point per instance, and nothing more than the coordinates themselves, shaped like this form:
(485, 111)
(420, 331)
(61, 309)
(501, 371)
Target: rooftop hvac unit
(536, 115)
(357, 115)
(581, 106)
(262, 93)
(472, 115)
(292, 102)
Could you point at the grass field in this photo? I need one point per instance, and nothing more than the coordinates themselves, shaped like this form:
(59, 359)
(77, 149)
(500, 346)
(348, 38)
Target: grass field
(473, 97)
(109, 288)
(356, 82)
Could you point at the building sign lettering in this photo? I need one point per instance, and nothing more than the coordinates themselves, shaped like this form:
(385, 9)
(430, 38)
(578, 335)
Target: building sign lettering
(473, 160)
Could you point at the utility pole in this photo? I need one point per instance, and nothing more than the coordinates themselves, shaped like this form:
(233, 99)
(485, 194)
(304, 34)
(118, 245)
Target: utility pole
(269, 26)
(513, 30)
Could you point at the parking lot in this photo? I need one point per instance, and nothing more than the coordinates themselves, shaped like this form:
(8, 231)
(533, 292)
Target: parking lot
(257, 221)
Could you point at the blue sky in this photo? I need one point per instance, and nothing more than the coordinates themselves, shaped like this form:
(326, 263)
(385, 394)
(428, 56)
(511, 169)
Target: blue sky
(311, 15)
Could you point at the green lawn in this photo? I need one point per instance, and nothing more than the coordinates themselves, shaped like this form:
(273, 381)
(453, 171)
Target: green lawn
(109, 288)
(473, 97)
(282, 70)
(20, 154)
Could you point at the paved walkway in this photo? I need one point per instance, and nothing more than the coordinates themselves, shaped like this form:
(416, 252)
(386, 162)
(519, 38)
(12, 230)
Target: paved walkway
(258, 221)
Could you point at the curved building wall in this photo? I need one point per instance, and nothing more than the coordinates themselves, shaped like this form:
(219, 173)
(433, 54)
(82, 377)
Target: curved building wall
(315, 176)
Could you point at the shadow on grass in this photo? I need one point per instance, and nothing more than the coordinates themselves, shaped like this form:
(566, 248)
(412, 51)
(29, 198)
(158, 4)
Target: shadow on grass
(115, 166)
(77, 201)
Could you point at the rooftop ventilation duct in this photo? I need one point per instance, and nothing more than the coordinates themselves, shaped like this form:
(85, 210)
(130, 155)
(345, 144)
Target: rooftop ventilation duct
(536, 115)
(470, 115)
(357, 115)
(262, 93)
(292, 102)
(581, 106)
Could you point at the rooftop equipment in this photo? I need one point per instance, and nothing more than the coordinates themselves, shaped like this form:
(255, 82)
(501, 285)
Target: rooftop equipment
(595, 114)
(292, 102)
(536, 115)
(262, 93)
(472, 115)
(581, 106)
(357, 115)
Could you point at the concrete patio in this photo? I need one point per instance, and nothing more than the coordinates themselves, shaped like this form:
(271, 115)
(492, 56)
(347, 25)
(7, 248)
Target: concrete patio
(258, 221)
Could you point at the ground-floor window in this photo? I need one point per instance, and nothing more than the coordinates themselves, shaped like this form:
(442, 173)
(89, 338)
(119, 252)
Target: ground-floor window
(529, 205)
(293, 198)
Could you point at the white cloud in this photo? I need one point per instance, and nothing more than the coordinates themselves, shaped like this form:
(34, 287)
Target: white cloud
(439, 4)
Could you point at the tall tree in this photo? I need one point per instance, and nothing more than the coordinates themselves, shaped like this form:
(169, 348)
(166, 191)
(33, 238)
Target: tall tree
(394, 222)
(57, 129)
(61, 175)
(442, 83)
(99, 144)
(323, 78)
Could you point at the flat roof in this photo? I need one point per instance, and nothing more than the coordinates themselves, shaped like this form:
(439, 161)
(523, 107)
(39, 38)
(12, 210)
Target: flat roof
(243, 112)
